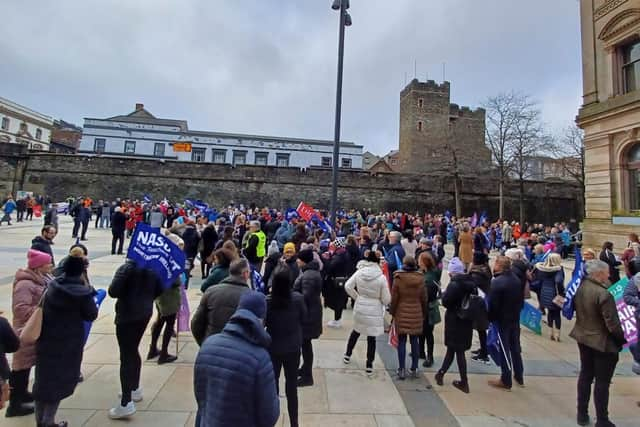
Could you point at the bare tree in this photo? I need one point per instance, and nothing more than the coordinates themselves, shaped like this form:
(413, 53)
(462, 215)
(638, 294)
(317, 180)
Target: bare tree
(568, 148)
(528, 141)
(501, 115)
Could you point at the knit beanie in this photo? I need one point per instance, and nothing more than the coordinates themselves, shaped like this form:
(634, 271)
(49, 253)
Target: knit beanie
(455, 266)
(306, 255)
(36, 259)
(255, 302)
(289, 248)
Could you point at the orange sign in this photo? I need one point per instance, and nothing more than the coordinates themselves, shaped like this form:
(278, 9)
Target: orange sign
(181, 147)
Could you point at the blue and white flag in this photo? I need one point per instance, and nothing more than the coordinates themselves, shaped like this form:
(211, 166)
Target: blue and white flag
(200, 205)
(291, 214)
(578, 274)
(146, 198)
(150, 249)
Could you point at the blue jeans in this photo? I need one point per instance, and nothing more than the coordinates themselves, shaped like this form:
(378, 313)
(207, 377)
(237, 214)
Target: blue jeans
(510, 336)
(402, 350)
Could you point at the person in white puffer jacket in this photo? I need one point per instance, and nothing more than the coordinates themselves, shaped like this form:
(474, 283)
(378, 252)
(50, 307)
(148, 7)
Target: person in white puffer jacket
(369, 288)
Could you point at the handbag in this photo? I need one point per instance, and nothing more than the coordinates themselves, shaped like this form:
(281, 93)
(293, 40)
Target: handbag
(558, 300)
(393, 335)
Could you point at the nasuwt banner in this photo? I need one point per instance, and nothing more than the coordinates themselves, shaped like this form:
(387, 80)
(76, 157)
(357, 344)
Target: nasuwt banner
(531, 318)
(150, 249)
(625, 313)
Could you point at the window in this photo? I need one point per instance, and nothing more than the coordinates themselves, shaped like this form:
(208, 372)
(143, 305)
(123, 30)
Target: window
(129, 147)
(633, 168)
(36, 146)
(262, 159)
(219, 156)
(23, 127)
(282, 160)
(346, 163)
(99, 144)
(158, 149)
(420, 102)
(394, 161)
(420, 126)
(197, 154)
(5, 123)
(239, 157)
(631, 66)
(38, 133)
(326, 162)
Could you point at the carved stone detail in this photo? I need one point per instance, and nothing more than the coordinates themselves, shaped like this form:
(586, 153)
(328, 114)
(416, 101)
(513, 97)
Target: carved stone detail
(606, 8)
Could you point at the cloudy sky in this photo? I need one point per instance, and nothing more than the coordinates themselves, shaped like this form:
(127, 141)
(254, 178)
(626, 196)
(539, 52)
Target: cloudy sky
(269, 66)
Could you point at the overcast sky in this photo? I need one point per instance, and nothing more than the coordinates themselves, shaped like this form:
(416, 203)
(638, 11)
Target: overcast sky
(269, 66)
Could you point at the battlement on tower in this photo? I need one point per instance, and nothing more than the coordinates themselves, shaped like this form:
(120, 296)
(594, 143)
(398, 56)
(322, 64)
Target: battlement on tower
(456, 111)
(428, 86)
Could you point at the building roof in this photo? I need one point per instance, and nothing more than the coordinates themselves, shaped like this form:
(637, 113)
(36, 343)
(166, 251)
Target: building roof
(143, 116)
(25, 110)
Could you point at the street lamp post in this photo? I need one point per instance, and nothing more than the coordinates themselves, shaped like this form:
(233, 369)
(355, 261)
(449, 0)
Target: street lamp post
(345, 21)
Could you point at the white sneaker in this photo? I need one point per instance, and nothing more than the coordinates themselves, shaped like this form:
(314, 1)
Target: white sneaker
(120, 411)
(335, 324)
(136, 395)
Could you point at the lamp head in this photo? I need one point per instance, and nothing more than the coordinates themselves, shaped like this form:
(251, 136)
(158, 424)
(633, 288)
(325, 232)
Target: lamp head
(347, 20)
(336, 4)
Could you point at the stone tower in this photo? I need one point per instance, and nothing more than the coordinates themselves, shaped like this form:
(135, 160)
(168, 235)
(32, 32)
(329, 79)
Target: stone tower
(431, 128)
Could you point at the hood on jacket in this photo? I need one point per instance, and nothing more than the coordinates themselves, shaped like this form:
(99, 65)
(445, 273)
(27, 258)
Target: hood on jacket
(244, 324)
(313, 265)
(63, 291)
(482, 270)
(553, 269)
(30, 275)
(369, 270)
(41, 240)
(234, 280)
(465, 281)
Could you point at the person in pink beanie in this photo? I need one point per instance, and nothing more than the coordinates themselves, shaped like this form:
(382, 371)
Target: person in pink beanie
(28, 286)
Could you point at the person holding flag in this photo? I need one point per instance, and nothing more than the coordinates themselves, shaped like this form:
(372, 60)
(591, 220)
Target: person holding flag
(135, 288)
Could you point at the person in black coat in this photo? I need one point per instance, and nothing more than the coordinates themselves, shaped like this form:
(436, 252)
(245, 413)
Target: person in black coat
(9, 343)
(44, 241)
(337, 267)
(458, 332)
(118, 226)
(481, 275)
(135, 288)
(506, 299)
(209, 240)
(309, 284)
(286, 312)
(608, 256)
(68, 303)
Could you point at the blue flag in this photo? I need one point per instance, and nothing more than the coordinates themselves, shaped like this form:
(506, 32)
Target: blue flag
(200, 205)
(291, 214)
(572, 287)
(146, 198)
(150, 249)
(398, 260)
(531, 318)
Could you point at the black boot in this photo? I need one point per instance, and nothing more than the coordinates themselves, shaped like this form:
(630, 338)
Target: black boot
(166, 358)
(19, 410)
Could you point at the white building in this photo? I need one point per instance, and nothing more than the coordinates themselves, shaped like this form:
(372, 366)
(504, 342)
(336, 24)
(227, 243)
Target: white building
(140, 134)
(21, 125)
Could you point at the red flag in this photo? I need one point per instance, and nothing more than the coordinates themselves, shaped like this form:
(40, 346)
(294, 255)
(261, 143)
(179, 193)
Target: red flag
(37, 211)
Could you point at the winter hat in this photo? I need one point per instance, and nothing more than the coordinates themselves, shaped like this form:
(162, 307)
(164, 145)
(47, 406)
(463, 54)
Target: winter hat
(74, 264)
(455, 266)
(480, 258)
(255, 302)
(306, 255)
(426, 241)
(37, 259)
(289, 248)
(273, 248)
(340, 242)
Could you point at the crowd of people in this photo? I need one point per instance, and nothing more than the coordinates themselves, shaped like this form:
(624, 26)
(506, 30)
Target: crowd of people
(268, 274)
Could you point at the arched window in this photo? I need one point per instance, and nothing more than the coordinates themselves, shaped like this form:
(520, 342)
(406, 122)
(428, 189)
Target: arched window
(633, 167)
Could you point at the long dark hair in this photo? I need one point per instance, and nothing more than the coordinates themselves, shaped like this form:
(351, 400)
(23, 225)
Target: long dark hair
(281, 289)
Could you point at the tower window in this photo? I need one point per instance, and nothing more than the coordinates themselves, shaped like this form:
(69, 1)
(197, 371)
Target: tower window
(420, 126)
(420, 102)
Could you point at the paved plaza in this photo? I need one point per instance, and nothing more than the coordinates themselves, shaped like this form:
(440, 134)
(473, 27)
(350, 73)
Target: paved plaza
(342, 395)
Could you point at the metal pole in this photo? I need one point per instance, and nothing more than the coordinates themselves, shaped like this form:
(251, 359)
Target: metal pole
(336, 138)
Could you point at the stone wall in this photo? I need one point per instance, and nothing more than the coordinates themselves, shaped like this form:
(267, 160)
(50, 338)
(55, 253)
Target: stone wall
(62, 175)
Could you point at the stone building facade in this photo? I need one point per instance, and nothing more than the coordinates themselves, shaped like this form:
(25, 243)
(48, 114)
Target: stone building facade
(432, 130)
(610, 117)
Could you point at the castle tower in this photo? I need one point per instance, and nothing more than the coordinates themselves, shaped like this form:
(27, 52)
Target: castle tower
(431, 127)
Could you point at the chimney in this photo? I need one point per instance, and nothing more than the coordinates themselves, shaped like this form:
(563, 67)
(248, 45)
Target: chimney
(139, 107)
